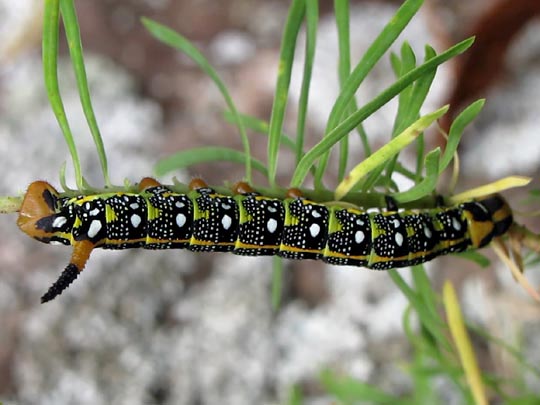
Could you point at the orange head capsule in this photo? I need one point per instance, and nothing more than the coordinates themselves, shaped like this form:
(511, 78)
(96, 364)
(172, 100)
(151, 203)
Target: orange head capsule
(40, 201)
(43, 217)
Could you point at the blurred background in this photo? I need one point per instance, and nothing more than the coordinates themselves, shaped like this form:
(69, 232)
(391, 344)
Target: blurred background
(183, 328)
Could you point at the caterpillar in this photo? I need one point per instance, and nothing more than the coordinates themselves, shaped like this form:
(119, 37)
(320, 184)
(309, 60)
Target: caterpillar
(248, 223)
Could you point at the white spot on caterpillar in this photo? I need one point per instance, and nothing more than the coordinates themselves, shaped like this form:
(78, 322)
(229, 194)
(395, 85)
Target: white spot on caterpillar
(180, 220)
(95, 227)
(180, 204)
(59, 222)
(360, 222)
(427, 232)
(271, 225)
(135, 220)
(359, 237)
(272, 209)
(94, 212)
(225, 206)
(226, 221)
(315, 214)
(314, 230)
(456, 224)
(396, 223)
(134, 206)
(399, 239)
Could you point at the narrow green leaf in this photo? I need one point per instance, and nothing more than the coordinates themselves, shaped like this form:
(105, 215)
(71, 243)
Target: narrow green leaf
(286, 59)
(51, 14)
(428, 184)
(312, 17)
(408, 63)
(401, 121)
(341, 9)
(420, 89)
(432, 323)
(395, 62)
(424, 288)
(190, 157)
(295, 396)
(462, 341)
(177, 41)
(377, 49)
(354, 119)
(277, 282)
(409, 108)
(73, 35)
(387, 151)
(350, 391)
(456, 131)
(259, 126)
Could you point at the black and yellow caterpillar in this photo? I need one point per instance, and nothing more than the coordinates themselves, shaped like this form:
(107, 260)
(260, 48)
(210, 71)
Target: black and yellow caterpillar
(252, 224)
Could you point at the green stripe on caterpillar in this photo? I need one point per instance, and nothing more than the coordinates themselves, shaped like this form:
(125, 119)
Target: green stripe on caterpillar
(251, 224)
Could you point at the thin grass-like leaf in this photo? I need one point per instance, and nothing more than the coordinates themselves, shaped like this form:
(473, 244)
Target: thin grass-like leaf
(341, 9)
(395, 62)
(349, 391)
(407, 63)
(374, 53)
(260, 127)
(190, 157)
(421, 89)
(354, 119)
(51, 17)
(463, 344)
(491, 188)
(71, 25)
(428, 183)
(456, 131)
(277, 281)
(409, 109)
(312, 19)
(295, 396)
(177, 41)
(387, 151)
(286, 59)
(424, 288)
(432, 323)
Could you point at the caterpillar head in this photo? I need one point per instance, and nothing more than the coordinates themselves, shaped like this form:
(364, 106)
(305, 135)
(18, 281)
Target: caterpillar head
(41, 215)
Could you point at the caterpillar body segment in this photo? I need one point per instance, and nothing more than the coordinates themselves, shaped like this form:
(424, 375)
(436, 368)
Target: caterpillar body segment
(252, 224)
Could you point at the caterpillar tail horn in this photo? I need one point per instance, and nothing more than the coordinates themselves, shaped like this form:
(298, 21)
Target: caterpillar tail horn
(81, 254)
